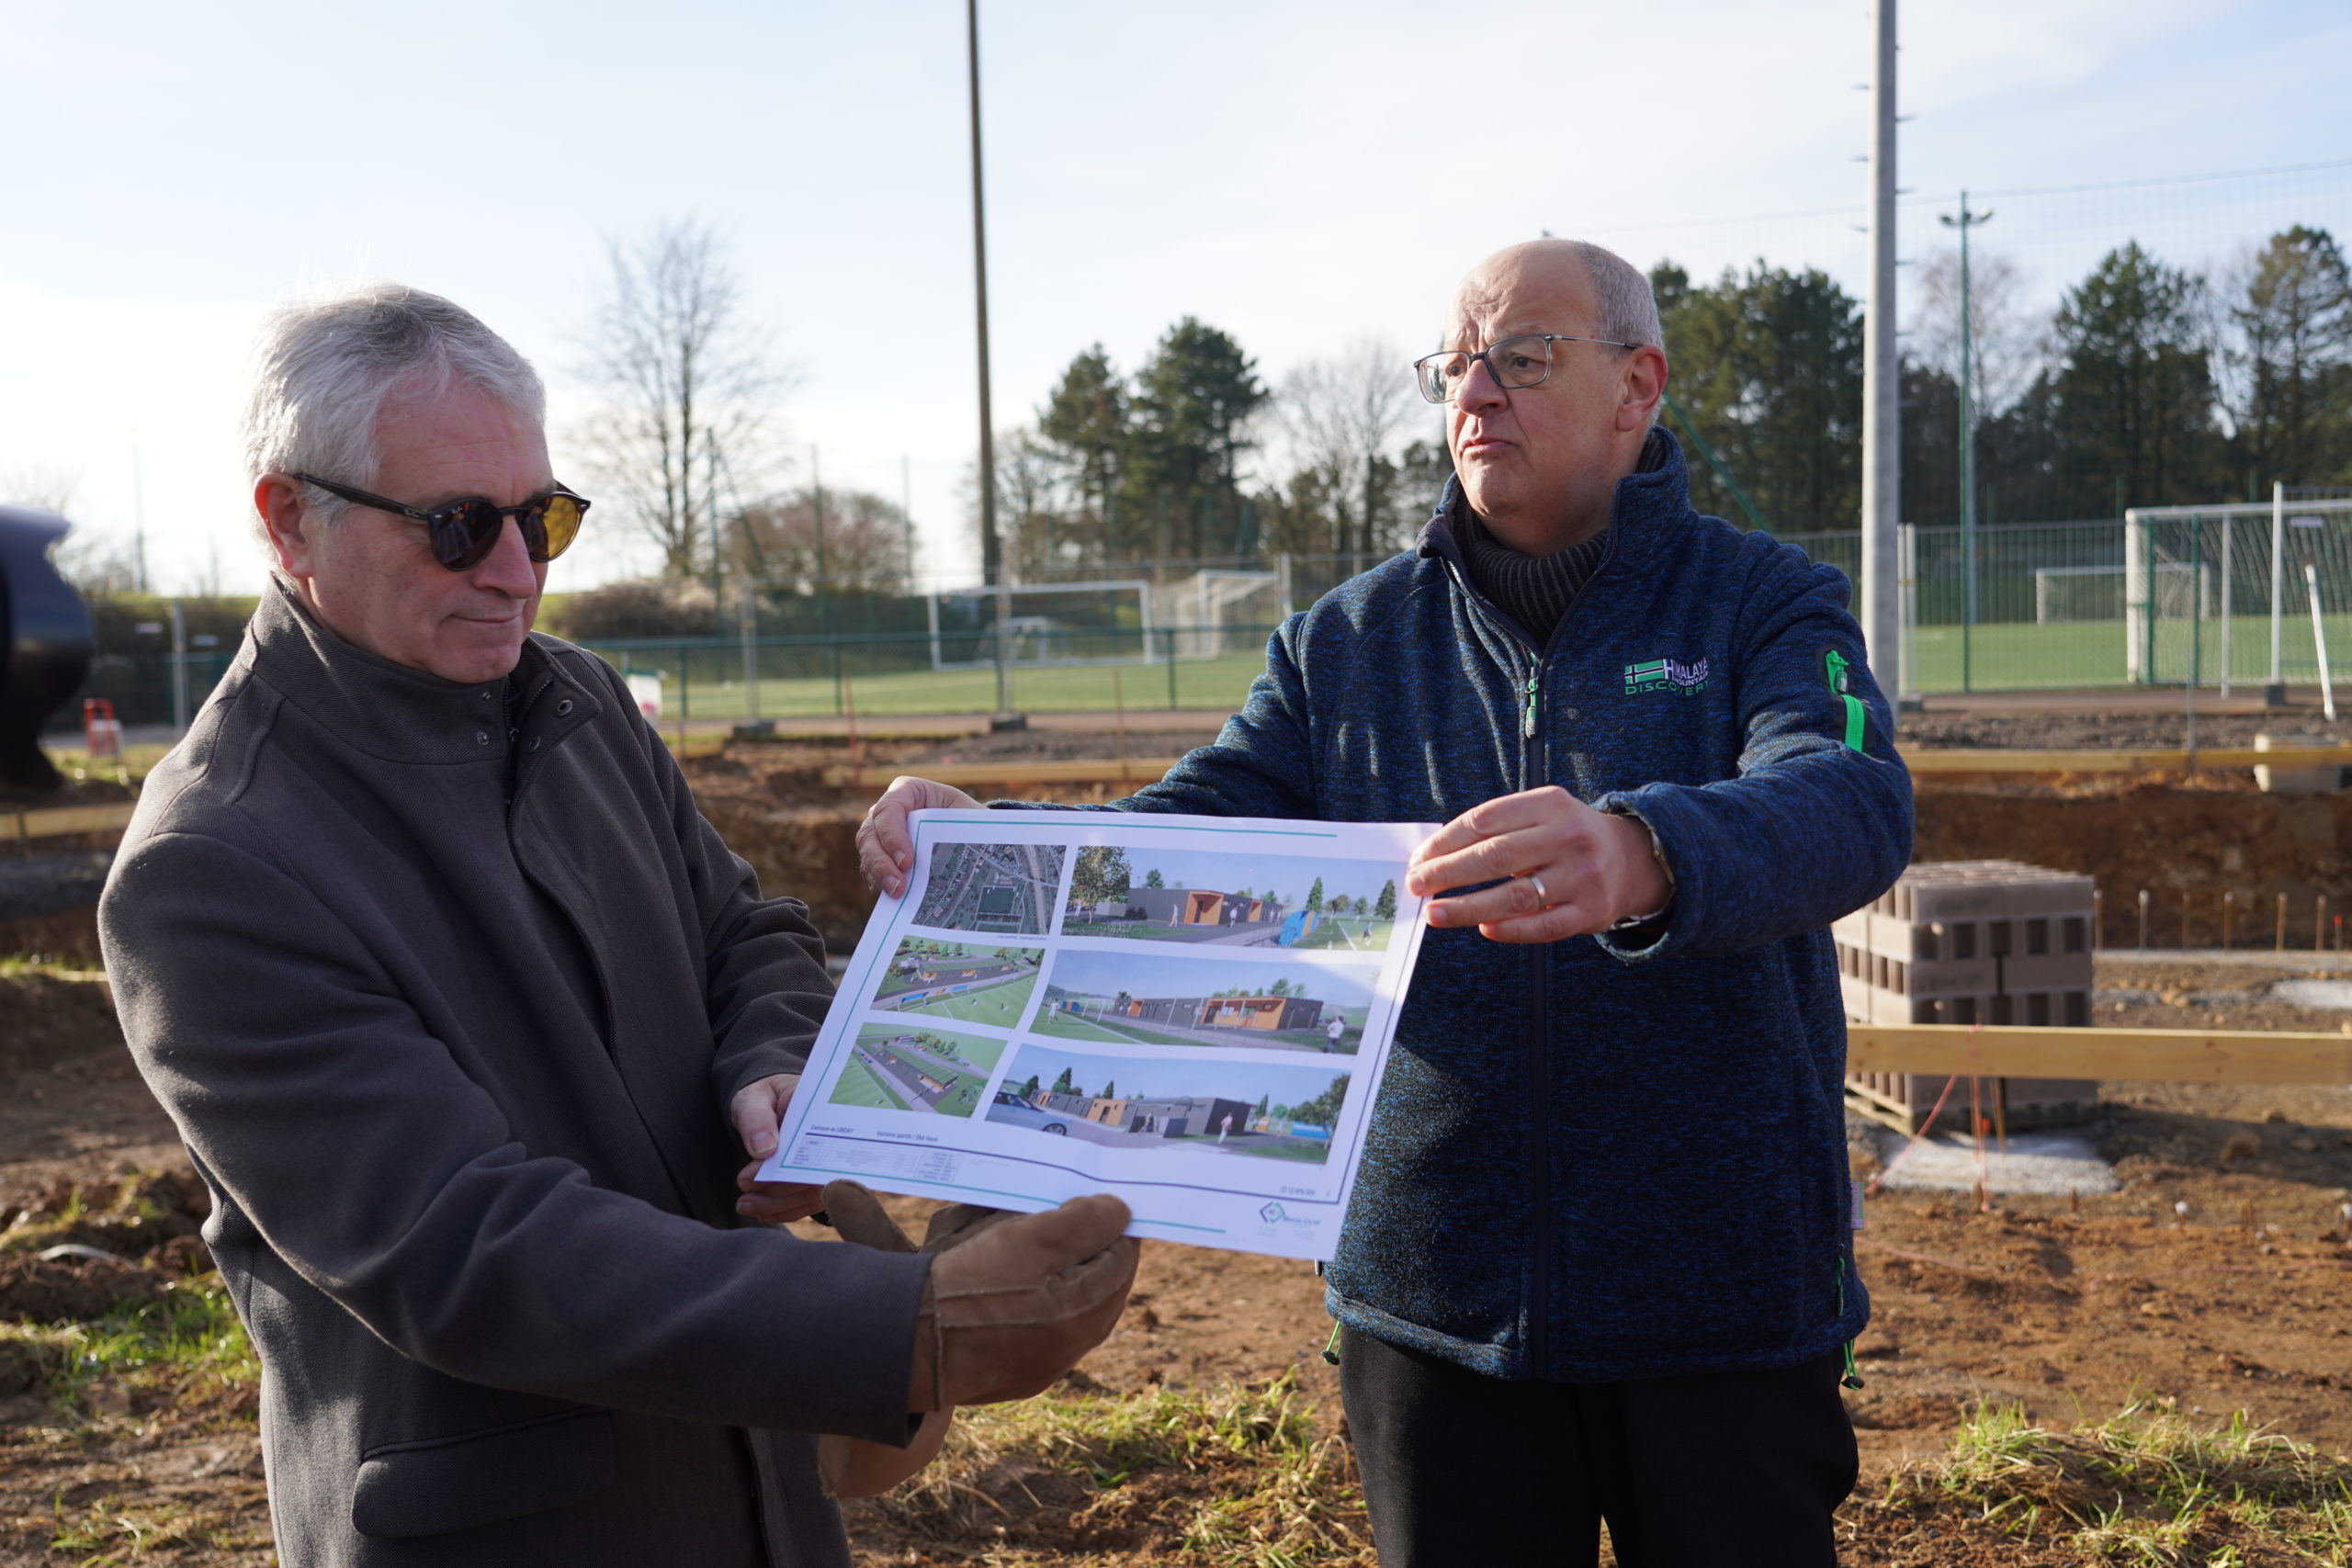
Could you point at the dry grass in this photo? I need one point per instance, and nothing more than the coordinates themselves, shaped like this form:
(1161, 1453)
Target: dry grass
(1236, 1476)
(2147, 1486)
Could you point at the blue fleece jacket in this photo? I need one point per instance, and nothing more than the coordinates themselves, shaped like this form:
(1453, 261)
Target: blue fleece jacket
(1590, 1160)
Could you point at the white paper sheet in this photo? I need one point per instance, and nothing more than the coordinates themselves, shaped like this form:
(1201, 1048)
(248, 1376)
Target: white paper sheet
(1015, 1031)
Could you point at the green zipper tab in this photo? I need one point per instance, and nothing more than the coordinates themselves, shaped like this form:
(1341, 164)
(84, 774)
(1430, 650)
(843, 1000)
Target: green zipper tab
(1527, 725)
(1838, 669)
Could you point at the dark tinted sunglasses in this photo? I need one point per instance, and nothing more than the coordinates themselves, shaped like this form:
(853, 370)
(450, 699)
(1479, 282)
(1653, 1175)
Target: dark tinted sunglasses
(464, 531)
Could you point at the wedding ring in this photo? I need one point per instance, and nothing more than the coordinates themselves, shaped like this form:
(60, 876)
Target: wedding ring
(1543, 899)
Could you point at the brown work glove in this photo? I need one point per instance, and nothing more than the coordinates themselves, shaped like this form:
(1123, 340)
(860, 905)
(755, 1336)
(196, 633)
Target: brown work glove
(857, 1215)
(1014, 1300)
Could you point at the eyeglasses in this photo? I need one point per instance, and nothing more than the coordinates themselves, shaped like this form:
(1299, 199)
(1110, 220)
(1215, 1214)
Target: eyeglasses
(464, 531)
(1522, 361)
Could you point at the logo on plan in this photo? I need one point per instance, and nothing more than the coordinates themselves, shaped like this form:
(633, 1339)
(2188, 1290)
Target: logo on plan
(1666, 675)
(1273, 1214)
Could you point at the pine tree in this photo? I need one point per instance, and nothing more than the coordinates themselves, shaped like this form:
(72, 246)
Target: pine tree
(1386, 908)
(1314, 895)
(1029, 1090)
(1111, 1089)
(1152, 879)
(1062, 1084)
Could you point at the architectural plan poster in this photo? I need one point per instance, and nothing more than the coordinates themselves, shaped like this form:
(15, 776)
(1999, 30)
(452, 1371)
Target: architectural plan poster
(1192, 1012)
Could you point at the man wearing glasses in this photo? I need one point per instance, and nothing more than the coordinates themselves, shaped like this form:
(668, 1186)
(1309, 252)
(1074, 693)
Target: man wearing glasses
(463, 1010)
(1597, 1264)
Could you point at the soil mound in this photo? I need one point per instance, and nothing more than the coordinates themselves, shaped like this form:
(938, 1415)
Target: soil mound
(56, 1290)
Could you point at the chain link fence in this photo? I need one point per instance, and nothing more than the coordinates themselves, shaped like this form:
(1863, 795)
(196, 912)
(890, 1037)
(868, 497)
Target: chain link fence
(2247, 595)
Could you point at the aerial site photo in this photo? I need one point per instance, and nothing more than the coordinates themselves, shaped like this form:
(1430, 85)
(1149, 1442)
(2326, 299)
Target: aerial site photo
(970, 982)
(1006, 889)
(1145, 998)
(894, 1068)
(1231, 900)
(1264, 1109)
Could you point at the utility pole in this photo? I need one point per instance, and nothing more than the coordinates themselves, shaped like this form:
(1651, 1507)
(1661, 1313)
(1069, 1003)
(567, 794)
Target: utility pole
(138, 518)
(816, 503)
(1882, 386)
(907, 513)
(1965, 223)
(991, 549)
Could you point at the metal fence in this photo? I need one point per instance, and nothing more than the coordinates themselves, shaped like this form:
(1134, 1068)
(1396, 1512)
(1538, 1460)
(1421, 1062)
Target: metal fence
(2224, 596)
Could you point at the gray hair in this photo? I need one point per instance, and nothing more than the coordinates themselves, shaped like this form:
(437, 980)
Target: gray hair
(325, 367)
(1627, 306)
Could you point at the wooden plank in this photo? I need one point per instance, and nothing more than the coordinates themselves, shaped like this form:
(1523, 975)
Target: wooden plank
(57, 821)
(1991, 760)
(1136, 771)
(2170, 1056)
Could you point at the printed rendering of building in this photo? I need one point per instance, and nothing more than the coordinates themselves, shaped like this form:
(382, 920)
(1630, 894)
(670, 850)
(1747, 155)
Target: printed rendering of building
(1198, 906)
(1192, 1116)
(1223, 1012)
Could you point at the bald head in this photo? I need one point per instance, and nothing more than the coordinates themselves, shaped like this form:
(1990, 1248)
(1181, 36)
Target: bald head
(1617, 299)
(1541, 463)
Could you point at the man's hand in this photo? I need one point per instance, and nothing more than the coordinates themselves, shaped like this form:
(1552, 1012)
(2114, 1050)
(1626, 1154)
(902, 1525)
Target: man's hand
(757, 1111)
(1574, 871)
(885, 851)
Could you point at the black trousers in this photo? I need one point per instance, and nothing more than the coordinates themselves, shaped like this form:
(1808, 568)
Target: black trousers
(1732, 1470)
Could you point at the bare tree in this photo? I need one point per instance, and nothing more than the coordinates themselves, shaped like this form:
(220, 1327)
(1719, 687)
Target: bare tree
(856, 545)
(687, 377)
(1341, 415)
(2012, 341)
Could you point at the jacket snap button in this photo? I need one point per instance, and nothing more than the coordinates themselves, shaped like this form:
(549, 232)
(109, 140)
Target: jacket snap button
(481, 737)
(1567, 713)
(485, 696)
(535, 742)
(564, 706)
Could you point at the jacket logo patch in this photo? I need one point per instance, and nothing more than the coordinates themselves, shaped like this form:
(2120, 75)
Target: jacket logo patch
(1666, 675)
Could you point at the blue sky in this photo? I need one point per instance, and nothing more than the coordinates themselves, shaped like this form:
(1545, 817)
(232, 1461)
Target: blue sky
(1146, 1077)
(1096, 972)
(1297, 174)
(1288, 875)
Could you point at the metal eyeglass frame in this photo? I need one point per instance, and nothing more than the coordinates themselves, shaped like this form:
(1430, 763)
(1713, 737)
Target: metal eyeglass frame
(433, 520)
(1421, 374)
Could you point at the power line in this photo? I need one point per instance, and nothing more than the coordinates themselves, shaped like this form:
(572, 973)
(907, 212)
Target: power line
(1853, 210)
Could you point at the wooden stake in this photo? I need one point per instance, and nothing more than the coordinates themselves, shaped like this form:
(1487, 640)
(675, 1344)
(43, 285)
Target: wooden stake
(2282, 922)
(2319, 925)
(2229, 908)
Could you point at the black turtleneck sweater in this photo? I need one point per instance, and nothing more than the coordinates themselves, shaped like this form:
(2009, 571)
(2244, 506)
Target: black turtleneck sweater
(1535, 591)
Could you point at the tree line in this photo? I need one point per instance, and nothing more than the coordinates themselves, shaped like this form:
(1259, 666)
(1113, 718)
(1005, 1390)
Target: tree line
(2149, 384)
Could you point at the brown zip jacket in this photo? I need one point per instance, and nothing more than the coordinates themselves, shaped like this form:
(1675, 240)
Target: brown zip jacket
(455, 1070)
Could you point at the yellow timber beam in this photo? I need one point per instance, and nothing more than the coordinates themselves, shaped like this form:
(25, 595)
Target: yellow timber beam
(2170, 1056)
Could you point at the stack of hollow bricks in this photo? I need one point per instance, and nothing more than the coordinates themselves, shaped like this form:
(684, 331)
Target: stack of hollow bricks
(1971, 941)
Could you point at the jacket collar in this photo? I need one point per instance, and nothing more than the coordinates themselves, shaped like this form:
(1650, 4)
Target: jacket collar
(1650, 501)
(390, 711)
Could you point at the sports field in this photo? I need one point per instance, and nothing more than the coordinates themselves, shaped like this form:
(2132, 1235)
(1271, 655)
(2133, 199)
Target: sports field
(1071, 1027)
(860, 1085)
(998, 1005)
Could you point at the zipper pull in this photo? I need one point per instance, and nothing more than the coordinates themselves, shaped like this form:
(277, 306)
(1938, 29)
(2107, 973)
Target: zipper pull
(1527, 726)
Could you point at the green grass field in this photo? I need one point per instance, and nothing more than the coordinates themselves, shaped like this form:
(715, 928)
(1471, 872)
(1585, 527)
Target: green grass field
(1071, 1027)
(998, 1005)
(859, 1085)
(1220, 683)
(1348, 933)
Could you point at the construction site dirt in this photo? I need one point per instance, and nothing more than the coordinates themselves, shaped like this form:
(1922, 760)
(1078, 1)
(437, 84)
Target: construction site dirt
(2216, 1278)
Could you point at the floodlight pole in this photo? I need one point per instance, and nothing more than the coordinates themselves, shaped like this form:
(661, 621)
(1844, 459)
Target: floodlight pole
(991, 549)
(1965, 223)
(1881, 388)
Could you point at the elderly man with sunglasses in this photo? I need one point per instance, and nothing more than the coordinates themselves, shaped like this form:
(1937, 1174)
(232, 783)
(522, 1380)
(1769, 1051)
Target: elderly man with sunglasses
(463, 1010)
(1597, 1264)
